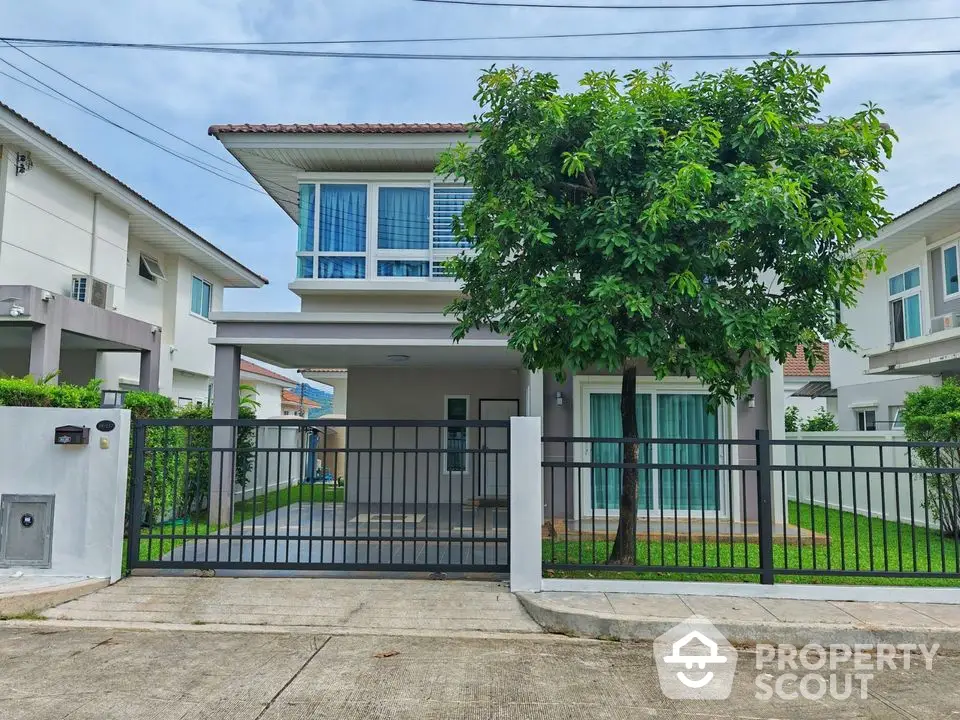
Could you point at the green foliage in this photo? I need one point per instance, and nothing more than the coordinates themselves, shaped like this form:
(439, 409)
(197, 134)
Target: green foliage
(246, 436)
(932, 414)
(28, 392)
(821, 421)
(145, 405)
(791, 419)
(646, 218)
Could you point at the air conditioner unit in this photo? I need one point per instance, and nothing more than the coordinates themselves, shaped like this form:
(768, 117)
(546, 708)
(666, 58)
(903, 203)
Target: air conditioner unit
(88, 289)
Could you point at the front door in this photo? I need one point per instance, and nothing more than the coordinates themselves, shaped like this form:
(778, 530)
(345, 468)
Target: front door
(495, 464)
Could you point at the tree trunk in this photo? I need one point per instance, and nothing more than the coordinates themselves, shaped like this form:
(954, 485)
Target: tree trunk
(624, 550)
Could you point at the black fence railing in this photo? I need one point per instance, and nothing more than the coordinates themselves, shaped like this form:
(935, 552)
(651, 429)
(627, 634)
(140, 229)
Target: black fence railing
(319, 494)
(755, 509)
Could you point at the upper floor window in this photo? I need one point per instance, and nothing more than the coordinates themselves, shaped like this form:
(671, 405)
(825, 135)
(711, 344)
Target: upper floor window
(377, 229)
(951, 271)
(150, 269)
(904, 289)
(200, 296)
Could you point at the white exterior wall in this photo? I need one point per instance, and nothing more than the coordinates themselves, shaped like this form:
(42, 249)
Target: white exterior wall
(870, 324)
(417, 394)
(88, 482)
(268, 395)
(188, 385)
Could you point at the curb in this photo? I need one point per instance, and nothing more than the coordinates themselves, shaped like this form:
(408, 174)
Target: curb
(557, 618)
(24, 602)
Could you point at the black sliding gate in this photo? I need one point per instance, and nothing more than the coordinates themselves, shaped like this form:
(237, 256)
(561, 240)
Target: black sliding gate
(319, 495)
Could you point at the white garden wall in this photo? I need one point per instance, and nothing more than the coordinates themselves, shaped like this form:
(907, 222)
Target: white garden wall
(88, 482)
(894, 493)
(278, 462)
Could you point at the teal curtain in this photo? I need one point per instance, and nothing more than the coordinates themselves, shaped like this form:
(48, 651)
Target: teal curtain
(687, 416)
(403, 219)
(343, 218)
(307, 215)
(605, 422)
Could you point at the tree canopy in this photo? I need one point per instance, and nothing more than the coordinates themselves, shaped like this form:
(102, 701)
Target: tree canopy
(704, 226)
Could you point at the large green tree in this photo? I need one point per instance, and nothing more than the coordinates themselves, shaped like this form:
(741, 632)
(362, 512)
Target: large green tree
(705, 227)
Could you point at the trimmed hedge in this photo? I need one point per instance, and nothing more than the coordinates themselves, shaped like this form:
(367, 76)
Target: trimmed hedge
(28, 392)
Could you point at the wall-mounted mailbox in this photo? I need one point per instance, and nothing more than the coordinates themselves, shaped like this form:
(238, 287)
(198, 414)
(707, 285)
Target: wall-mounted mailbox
(71, 435)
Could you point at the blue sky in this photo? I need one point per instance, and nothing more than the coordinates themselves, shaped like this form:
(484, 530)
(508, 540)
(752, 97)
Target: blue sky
(186, 92)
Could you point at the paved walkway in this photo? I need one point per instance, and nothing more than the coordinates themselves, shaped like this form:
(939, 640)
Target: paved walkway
(746, 621)
(55, 673)
(330, 604)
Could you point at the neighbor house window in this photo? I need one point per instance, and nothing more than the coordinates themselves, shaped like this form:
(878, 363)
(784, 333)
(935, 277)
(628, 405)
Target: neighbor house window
(896, 417)
(378, 229)
(455, 459)
(866, 419)
(200, 297)
(951, 282)
(904, 290)
(150, 269)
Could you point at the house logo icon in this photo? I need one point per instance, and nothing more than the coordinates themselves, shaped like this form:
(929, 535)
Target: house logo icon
(695, 661)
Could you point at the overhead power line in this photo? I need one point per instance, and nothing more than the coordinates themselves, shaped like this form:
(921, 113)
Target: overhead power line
(506, 57)
(200, 164)
(40, 42)
(648, 6)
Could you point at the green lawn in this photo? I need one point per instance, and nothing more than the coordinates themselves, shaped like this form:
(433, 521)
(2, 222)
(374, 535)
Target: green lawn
(197, 525)
(856, 546)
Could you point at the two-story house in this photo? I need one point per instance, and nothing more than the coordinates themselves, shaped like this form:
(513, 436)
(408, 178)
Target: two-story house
(95, 280)
(907, 322)
(374, 227)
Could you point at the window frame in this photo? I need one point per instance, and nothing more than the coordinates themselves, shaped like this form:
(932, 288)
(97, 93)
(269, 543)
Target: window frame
(209, 286)
(862, 411)
(373, 254)
(153, 273)
(902, 297)
(445, 450)
(947, 295)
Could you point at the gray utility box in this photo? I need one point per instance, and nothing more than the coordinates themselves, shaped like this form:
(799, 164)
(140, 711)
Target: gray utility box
(26, 530)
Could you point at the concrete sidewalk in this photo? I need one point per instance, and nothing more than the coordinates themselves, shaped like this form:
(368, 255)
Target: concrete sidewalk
(746, 621)
(27, 594)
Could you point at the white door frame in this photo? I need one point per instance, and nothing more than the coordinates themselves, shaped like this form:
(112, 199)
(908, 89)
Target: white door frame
(481, 441)
(583, 385)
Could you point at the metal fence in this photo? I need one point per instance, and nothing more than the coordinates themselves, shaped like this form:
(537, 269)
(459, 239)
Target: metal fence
(753, 509)
(319, 494)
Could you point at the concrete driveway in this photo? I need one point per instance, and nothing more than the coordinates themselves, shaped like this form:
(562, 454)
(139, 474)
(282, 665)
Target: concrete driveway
(56, 673)
(331, 604)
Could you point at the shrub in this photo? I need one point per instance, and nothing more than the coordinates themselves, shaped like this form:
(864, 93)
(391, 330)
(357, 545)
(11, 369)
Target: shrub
(145, 405)
(822, 421)
(791, 419)
(28, 392)
(932, 414)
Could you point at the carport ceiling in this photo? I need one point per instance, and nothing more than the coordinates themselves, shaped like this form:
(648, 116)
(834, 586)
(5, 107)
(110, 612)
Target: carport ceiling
(347, 356)
(17, 337)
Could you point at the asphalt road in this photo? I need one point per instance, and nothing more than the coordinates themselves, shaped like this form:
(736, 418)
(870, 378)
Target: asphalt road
(58, 673)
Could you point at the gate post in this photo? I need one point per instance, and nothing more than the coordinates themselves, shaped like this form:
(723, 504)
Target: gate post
(526, 504)
(765, 509)
(135, 506)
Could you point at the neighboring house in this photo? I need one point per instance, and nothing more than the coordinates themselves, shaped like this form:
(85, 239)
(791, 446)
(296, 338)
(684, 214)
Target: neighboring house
(907, 321)
(295, 404)
(809, 390)
(374, 228)
(269, 387)
(96, 281)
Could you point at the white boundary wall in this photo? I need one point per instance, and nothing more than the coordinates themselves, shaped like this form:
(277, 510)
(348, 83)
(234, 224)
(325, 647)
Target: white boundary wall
(89, 483)
(889, 495)
(278, 462)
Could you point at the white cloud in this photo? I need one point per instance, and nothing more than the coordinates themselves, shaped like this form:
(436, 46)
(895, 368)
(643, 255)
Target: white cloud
(188, 92)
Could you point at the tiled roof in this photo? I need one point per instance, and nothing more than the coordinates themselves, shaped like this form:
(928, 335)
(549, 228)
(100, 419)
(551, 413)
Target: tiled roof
(254, 369)
(293, 398)
(796, 366)
(126, 187)
(344, 128)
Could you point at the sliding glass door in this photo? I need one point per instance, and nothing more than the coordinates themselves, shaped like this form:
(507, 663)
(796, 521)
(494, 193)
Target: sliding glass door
(661, 415)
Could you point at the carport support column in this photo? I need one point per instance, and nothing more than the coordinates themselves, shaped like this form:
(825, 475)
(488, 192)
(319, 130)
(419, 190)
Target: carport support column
(526, 498)
(150, 370)
(226, 401)
(45, 350)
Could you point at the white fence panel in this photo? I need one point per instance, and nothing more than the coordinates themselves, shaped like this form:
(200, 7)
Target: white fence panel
(278, 461)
